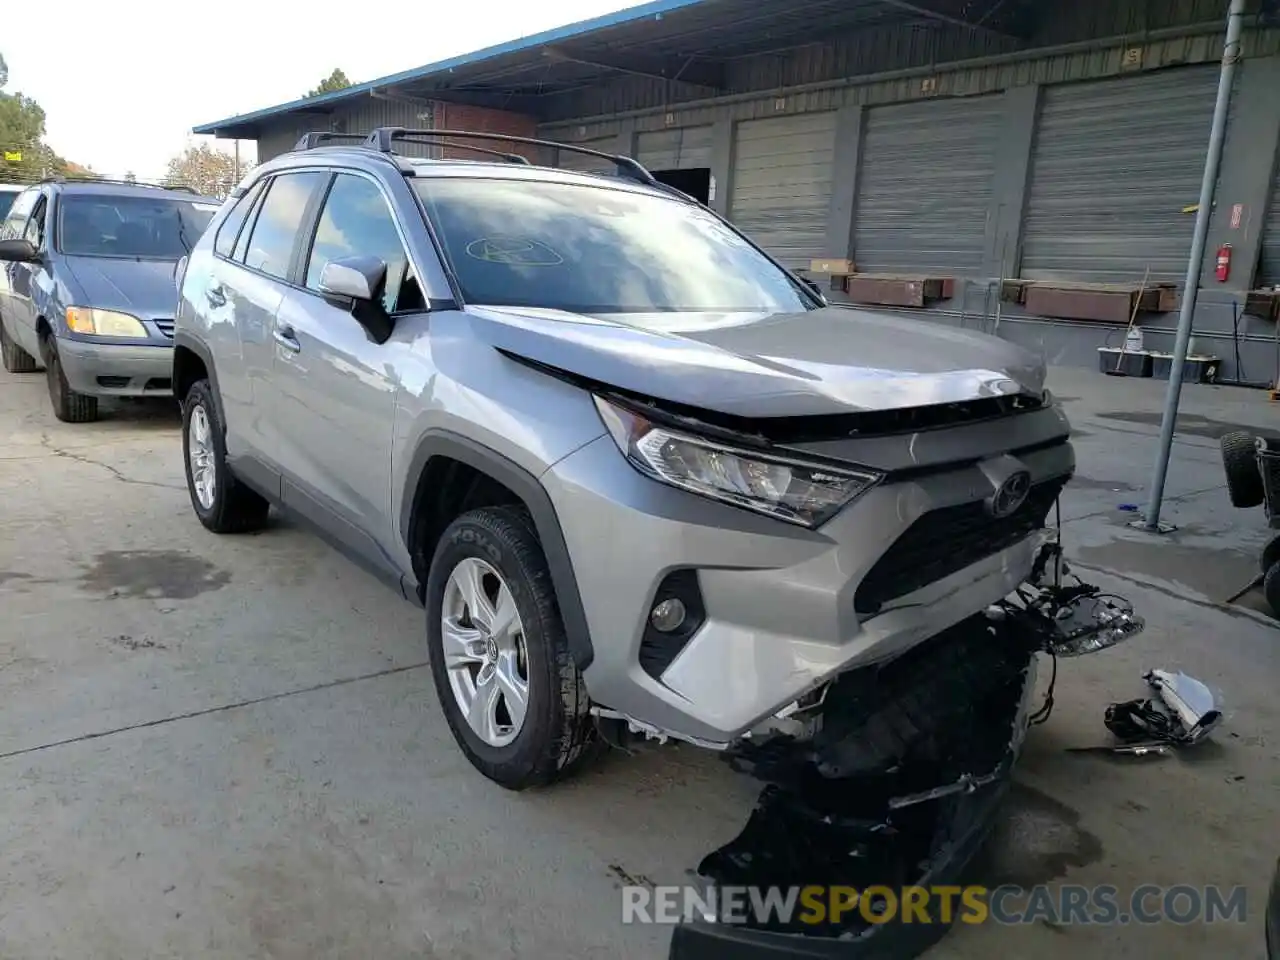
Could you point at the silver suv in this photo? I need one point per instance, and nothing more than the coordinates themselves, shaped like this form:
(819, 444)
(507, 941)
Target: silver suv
(644, 480)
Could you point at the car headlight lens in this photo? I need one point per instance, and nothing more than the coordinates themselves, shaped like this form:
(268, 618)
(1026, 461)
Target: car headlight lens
(104, 323)
(799, 492)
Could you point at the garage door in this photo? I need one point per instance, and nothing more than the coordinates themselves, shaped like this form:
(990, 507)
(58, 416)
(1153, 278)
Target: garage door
(1115, 164)
(578, 161)
(679, 149)
(782, 184)
(1270, 271)
(925, 186)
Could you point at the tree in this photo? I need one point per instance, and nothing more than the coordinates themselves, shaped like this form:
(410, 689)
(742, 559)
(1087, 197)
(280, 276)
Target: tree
(204, 169)
(333, 82)
(23, 153)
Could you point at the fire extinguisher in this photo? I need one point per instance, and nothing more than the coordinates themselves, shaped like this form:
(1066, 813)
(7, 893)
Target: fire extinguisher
(1223, 269)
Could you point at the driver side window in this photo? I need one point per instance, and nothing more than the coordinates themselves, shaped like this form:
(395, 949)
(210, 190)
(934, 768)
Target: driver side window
(356, 221)
(35, 226)
(12, 228)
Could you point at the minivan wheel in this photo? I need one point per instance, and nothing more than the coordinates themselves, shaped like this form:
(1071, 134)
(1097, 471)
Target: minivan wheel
(223, 503)
(16, 360)
(68, 406)
(512, 696)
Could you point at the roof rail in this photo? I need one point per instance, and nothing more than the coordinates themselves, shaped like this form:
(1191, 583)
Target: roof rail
(383, 138)
(318, 137)
(62, 178)
(508, 157)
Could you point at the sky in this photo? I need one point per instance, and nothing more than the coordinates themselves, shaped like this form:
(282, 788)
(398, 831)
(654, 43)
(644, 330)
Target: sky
(122, 83)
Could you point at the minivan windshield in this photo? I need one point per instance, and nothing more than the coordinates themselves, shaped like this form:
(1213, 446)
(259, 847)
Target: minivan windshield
(140, 228)
(597, 249)
(7, 196)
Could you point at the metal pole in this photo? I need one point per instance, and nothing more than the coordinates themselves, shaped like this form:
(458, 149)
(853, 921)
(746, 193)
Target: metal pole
(1230, 57)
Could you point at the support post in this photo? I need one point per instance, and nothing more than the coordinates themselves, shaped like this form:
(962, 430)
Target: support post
(1208, 186)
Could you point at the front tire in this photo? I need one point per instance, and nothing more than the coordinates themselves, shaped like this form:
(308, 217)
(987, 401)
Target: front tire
(15, 359)
(223, 503)
(68, 406)
(512, 696)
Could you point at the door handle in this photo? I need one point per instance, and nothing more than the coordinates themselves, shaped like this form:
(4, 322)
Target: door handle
(216, 296)
(287, 339)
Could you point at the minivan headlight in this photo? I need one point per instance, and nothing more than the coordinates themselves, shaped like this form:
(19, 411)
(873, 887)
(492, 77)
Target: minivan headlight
(104, 323)
(790, 489)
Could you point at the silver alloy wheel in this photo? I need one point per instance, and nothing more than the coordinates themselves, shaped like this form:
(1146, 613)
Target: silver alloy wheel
(200, 452)
(484, 652)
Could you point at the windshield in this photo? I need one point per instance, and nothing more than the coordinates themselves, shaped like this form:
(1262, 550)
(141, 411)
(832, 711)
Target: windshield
(588, 249)
(145, 228)
(6, 201)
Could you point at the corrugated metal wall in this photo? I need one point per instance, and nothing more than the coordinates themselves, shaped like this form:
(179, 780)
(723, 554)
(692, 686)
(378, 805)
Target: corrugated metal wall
(1115, 163)
(1270, 269)
(925, 186)
(782, 184)
(678, 149)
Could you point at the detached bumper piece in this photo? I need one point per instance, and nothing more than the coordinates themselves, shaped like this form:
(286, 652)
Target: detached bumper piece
(899, 787)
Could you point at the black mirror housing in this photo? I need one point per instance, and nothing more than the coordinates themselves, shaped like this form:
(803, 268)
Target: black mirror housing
(19, 251)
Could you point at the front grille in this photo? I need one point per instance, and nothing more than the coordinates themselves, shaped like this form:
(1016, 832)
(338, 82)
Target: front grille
(947, 540)
(165, 327)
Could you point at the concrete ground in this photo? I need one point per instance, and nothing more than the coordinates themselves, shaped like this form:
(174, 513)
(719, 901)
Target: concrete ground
(228, 747)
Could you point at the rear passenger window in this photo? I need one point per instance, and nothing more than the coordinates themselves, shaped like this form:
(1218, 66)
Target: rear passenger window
(356, 221)
(276, 228)
(225, 242)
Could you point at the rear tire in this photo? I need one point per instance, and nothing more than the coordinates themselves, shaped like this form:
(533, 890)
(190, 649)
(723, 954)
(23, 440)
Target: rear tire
(1240, 461)
(225, 505)
(68, 406)
(554, 733)
(1271, 588)
(16, 360)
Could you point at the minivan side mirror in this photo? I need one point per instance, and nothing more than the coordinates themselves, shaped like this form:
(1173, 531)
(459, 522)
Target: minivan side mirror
(358, 282)
(19, 251)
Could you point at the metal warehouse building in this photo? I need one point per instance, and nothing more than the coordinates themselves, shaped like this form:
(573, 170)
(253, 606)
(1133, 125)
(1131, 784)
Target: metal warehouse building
(1023, 165)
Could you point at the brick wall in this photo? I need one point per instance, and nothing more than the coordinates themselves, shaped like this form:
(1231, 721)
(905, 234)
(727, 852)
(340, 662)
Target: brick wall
(457, 116)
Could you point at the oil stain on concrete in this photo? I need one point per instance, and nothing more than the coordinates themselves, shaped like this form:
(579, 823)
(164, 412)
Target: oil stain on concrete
(1213, 572)
(1038, 840)
(1188, 423)
(1088, 483)
(152, 575)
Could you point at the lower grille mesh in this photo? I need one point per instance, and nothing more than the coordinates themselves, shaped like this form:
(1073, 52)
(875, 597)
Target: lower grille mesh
(947, 540)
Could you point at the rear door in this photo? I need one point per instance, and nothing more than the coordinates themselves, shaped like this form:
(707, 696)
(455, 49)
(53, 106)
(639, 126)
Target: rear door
(16, 287)
(249, 287)
(335, 396)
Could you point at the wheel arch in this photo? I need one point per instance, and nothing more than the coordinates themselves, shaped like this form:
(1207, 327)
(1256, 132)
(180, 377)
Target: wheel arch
(446, 445)
(191, 357)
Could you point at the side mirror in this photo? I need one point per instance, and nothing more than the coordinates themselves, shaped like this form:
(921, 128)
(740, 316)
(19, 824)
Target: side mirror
(359, 282)
(815, 287)
(354, 278)
(19, 251)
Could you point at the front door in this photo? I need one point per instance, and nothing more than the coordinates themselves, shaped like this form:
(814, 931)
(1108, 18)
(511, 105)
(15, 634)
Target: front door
(336, 389)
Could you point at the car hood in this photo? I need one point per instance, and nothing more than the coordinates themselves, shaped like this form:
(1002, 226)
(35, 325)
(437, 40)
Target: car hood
(832, 360)
(144, 288)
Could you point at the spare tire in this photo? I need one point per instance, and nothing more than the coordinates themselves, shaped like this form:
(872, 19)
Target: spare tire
(1240, 461)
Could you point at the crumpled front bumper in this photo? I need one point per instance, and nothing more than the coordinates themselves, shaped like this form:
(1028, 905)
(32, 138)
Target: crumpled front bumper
(938, 801)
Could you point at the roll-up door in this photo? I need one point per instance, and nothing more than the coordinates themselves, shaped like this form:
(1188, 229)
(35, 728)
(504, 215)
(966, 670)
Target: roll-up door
(587, 164)
(1114, 166)
(1270, 271)
(678, 149)
(926, 179)
(782, 184)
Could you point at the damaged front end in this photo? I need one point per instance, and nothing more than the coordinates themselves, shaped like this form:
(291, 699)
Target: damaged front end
(891, 776)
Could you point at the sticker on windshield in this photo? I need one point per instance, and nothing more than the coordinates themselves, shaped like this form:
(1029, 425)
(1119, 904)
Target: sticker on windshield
(210, 207)
(515, 251)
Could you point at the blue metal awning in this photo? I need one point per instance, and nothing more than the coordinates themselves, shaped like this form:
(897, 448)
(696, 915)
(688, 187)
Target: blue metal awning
(690, 42)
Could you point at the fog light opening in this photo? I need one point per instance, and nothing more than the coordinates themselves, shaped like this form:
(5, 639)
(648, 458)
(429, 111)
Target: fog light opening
(668, 615)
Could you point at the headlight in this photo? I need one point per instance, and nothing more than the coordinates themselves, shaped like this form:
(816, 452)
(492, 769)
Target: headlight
(797, 491)
(104, 323)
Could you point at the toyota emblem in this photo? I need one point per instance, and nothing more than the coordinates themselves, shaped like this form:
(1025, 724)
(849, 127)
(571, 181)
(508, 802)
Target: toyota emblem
(1010, 495)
